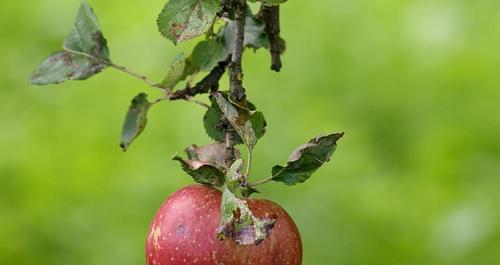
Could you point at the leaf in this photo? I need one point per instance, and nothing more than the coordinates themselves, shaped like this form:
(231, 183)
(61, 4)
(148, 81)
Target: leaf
(306, 159)
(86, 36)
(213, 154)
(216, 129)
(182, 20)
(239, 119)
(238, 222)
(202, 172)
(207, 164)
(64, 66)
(86, 53)
(135, 120)
(179, 70)
(207, 54)
(255, 35)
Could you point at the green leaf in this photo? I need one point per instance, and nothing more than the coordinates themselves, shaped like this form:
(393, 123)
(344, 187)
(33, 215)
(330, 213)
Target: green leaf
(86, 36)
(255, 35)
(207, 54)
(179, 70)
(65, 66)
(202, 172)
(213, 123)
(239, 119)
(306, 159)
(86, 53)
(206, 164)
(182, 20)
(234, 179)
(135, 120)
(238, 222)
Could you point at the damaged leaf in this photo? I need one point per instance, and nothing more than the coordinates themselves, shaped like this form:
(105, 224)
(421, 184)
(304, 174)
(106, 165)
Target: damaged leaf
(306, 159)
(202, 172)
(182, 20)
(213, 154)
(238, 222)
(213, 121)
(86, 53)
(239, 118)
(206, 164)
(135, 121)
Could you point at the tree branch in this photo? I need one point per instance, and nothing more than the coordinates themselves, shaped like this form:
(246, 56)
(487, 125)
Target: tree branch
(207, 84)
(236, 91)
(271, 17)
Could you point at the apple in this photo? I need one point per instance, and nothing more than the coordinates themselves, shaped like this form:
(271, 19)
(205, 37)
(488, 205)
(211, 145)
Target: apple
(184, 231)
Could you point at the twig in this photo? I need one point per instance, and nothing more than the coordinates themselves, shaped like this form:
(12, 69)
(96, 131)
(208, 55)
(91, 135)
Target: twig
(150, 82)
(207, 84)
(236, 91)
(271, 17)
(230, 156)
(116, 66)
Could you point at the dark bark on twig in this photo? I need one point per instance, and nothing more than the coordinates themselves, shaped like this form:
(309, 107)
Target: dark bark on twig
(207, 84)
(236, 91)
(271, 17)
(230, 155)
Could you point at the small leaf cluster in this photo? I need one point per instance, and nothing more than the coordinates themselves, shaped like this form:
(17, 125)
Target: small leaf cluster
(228, 121)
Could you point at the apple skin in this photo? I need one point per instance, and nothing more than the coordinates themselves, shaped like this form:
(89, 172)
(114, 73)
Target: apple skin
(184, 231)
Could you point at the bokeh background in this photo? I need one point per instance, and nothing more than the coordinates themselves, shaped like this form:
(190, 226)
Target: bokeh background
(414, 84)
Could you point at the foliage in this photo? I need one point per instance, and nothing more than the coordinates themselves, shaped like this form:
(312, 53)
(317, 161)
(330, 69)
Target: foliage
(230, 120)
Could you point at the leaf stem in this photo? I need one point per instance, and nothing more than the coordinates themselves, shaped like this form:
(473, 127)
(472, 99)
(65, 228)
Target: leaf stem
(266, 180)
(124, 69)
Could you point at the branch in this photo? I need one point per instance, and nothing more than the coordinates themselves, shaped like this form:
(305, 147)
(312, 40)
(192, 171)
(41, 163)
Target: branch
(124, 69)
(207, 84)
(236, 91)
(230, 155)
(271, 17)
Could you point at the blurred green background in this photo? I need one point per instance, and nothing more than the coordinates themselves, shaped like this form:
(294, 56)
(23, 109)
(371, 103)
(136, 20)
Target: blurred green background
(414, 84)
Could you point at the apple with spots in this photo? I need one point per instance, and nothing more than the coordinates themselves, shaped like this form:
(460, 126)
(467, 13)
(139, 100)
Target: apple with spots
(184, 231)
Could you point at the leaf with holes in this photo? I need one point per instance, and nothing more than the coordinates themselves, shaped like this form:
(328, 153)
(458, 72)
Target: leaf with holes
(213, 154)
(215, 127)
(238, 222)
(86, 53)
(182, 20)
(206, 164)
(306, 159)
(135, 120)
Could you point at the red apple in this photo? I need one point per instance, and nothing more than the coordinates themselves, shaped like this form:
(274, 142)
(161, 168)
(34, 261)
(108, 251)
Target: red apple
(184, 231)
